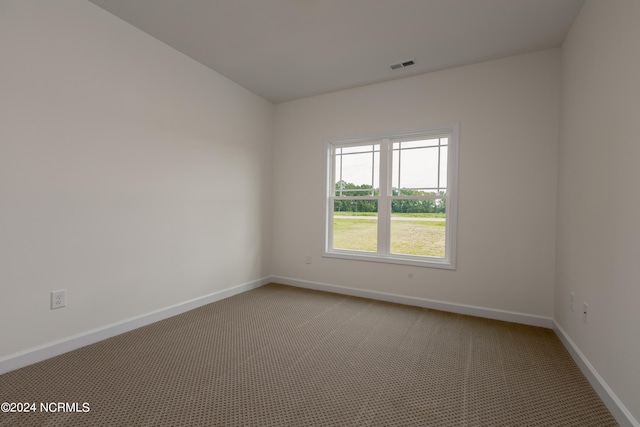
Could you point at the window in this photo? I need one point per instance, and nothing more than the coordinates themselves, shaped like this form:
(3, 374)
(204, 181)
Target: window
(392, 197)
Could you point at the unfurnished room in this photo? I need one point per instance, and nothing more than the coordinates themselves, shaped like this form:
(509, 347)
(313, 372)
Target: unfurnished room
(319, 212)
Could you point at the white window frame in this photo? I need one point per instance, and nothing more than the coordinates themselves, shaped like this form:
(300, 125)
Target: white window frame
(384, 198)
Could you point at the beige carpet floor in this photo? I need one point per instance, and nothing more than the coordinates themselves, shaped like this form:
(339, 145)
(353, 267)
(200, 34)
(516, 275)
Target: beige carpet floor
(282, 356)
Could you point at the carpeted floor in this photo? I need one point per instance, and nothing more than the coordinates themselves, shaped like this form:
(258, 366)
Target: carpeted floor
(282, 356)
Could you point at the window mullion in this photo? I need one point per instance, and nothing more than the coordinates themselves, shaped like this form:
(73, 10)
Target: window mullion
(384, 208)
(439, 153)
(340, 180)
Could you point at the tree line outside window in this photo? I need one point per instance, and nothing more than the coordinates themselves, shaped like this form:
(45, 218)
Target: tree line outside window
(397, 206)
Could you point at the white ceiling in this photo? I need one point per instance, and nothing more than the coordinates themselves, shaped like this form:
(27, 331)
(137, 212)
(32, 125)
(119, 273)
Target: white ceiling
(289, 49)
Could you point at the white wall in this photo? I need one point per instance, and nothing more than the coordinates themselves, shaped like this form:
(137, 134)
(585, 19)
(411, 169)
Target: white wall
(599, 193)
(508, 112)
(130, 175)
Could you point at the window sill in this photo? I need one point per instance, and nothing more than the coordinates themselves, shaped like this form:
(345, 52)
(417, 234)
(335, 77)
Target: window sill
(393, 259)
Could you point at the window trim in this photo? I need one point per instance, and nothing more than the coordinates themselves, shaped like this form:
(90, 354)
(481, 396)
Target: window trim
(449, 260)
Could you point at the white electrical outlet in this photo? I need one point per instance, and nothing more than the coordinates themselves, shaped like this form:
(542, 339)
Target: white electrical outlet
(572, 300)
(58, 299)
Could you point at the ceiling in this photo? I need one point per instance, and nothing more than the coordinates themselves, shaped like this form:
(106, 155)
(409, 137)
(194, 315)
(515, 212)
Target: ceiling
(289, 49)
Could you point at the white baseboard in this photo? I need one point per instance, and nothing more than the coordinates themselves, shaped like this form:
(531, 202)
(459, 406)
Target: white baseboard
(608, 397)
(489, 313)
(55, 348)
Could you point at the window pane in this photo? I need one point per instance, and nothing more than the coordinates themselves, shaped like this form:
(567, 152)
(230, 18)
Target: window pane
(444, 151)
(357, 170)
(395, 173)
(416, 168)
(337, 170)
(418, 227)
(419, 167)
(355, 225)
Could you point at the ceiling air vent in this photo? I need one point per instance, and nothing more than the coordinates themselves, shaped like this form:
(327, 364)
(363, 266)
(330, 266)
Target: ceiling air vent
(403, 64)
